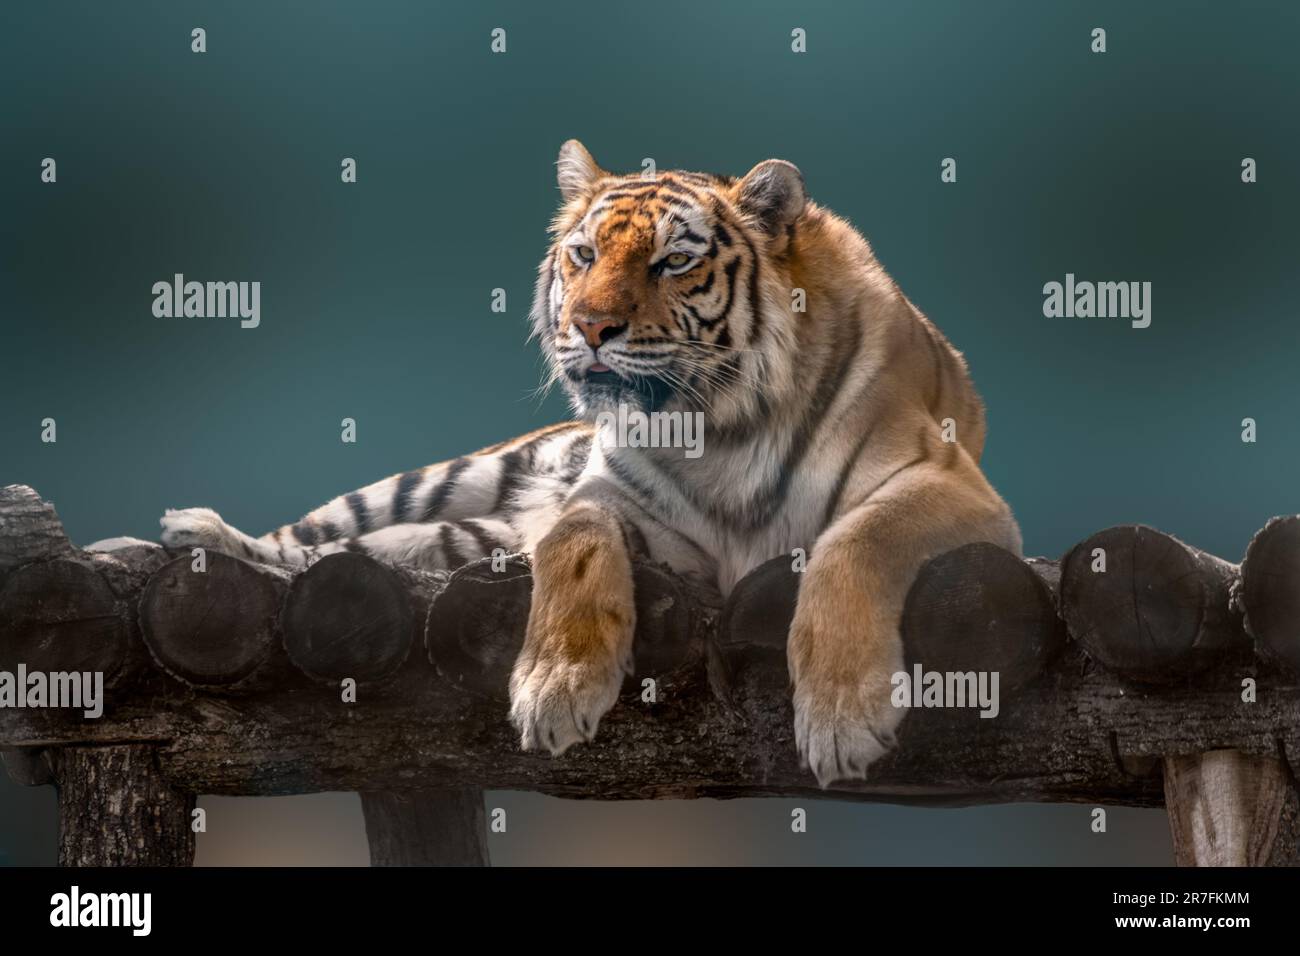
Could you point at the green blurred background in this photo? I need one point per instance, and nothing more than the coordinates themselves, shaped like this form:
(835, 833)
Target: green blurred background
(375, 296)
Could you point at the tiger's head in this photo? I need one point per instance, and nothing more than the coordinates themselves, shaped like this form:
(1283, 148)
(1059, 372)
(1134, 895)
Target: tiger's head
(661, 291)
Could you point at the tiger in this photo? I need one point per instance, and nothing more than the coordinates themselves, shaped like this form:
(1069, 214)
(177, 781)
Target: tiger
(839, 420)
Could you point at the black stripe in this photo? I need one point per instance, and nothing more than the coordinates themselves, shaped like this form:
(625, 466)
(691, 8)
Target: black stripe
(305, 532)
(438, 500)
(623, 474)
(759, 511)
(730, 269)
(576, 457)
(674, 187)
(449, 550)
(406, 486)
(360, 513)
(755, 314)
(485, 541)
(704, 286)
(511, 476)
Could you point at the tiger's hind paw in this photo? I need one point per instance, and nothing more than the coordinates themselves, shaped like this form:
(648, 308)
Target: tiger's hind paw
(201, 528)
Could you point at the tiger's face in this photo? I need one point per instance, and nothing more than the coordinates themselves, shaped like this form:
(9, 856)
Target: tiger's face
(650, 293)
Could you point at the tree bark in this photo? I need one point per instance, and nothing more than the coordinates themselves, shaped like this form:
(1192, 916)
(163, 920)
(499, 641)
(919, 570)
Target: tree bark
(1224, 807)
(116, 809)
(426, 828)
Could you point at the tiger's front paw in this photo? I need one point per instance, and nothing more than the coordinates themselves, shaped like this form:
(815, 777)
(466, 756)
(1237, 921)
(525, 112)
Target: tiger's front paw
(844, 719)
(198, 528)
(555, 703)
(557, 697)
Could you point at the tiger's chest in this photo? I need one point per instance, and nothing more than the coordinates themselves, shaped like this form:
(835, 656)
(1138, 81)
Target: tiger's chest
(736, 506)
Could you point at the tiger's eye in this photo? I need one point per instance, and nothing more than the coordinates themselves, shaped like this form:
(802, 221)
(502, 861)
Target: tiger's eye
(585, 253)
(677, 260)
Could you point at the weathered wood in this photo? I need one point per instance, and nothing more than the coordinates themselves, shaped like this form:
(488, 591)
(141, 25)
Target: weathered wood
(475, 626)
(29, 766)
(1224, 807)
(1286, 845)
(30, 529)
(426, 828)
(1067, 732)
(116, 809)
(1270, 591)
(1159, 611)
(1055, 740)
(61, 615)
(981, 608)
(348, 616)
(212, 627)
(977, 608)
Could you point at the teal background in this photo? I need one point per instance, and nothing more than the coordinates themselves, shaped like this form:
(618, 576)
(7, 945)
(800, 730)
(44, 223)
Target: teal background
(375, 296)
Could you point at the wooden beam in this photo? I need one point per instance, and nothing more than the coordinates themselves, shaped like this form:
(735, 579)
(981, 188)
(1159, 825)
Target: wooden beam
(426, 828)
(237, 682)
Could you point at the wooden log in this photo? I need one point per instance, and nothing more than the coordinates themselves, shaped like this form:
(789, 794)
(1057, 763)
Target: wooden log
(212, 627)
(1270, 591)
(426, 828)
(982, 608)
(1056, 739)
(476, 625)
(1159, 611)
(116, 809)
(975, 608)
(61, 615)
(349, 616)
(1224, 807)
(749, 649)
(30, 529)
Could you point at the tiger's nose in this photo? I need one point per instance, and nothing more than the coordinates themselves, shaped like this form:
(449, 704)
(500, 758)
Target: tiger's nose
(600, 329)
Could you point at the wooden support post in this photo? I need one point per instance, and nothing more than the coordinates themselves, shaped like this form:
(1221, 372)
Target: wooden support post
(1286, 847)
(426, 828)
(1224, 807)
(115, 809)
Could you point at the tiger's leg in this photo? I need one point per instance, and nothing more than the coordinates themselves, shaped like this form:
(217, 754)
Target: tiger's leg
(437, 545)
(844, 645)
(578, 644)
(483, 484)
(463, 487)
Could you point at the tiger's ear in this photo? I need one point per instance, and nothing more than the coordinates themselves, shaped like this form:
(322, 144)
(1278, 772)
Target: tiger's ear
(575, 170)
(772, 192)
